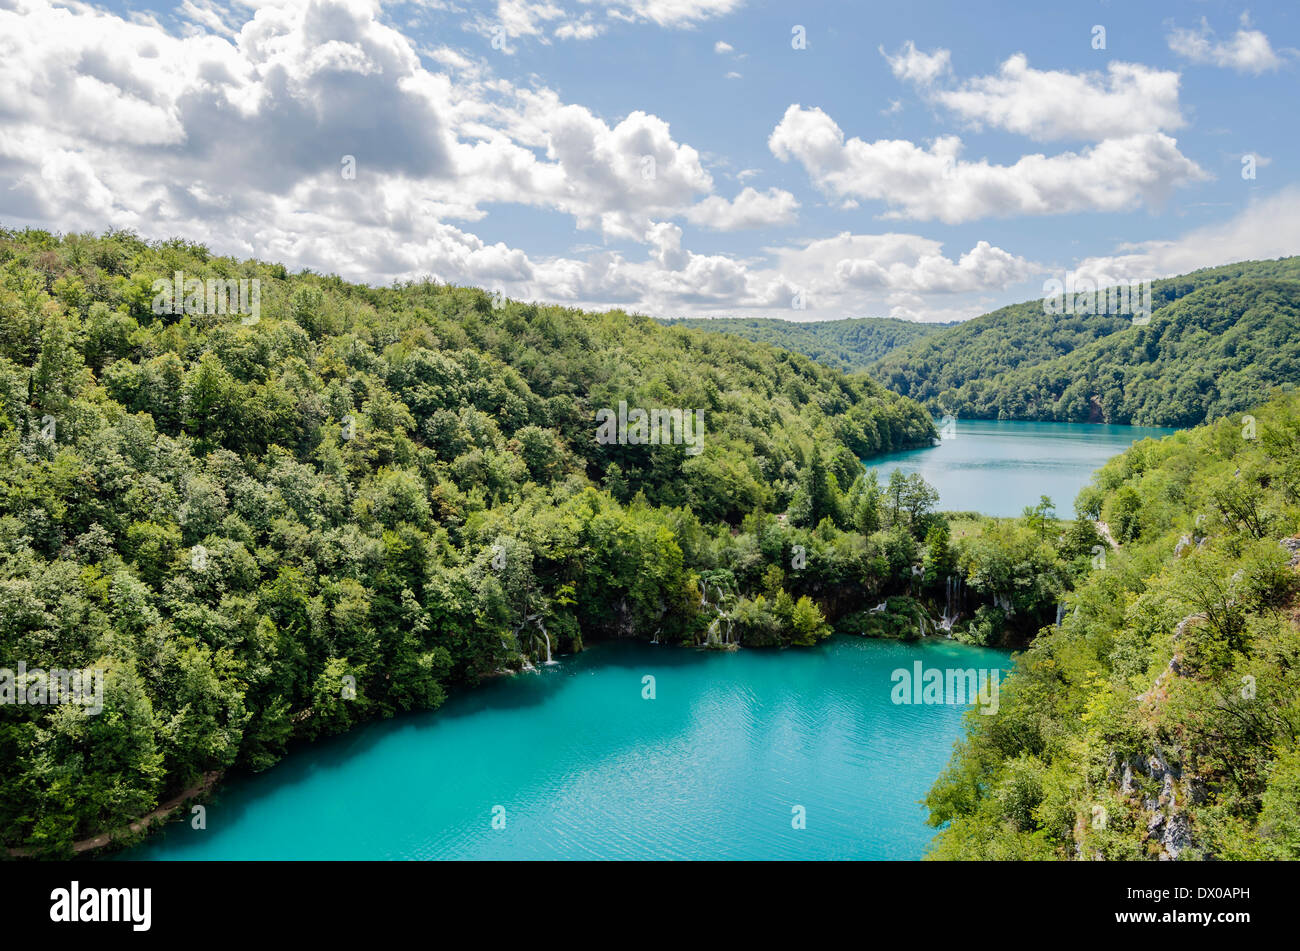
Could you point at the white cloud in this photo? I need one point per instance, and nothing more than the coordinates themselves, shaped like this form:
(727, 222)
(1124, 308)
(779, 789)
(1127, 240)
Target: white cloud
(532, 19)
(722, 48)
(669, 13)
(750, 209)
(527, 17)
(934, 183)
(301, 85)
(1249, 51)
(912, 65)
(848, 264)
(1054, 104)
(578, 30)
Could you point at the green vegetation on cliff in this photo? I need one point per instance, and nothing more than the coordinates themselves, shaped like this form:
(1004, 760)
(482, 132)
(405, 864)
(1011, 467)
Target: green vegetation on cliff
(1162, 719)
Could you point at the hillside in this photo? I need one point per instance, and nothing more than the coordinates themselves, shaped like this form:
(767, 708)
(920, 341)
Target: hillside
(262, 527)
(1162, 718)
(1217, 341)
(848, 345)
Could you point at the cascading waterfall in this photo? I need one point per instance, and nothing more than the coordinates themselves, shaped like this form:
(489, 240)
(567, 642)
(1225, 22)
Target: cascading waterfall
(712, 633)
(535, 619)
(1060, 614)
(951, 604)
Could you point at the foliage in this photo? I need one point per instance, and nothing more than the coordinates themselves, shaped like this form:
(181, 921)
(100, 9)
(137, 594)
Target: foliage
(851, 344)
(1163, 717)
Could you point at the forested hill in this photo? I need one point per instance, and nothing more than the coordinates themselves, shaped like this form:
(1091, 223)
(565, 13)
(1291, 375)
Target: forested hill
(1216, 351)
(848, 345)
(271, 524)
(1162, 718)
(1217, 341)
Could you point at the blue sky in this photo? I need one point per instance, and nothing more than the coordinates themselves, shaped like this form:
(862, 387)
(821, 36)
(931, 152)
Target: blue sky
(926, 160)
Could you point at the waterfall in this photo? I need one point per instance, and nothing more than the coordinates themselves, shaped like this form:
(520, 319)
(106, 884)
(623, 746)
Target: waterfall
(1060, 614)
(535, 619)
(951, 604)
(711, 636)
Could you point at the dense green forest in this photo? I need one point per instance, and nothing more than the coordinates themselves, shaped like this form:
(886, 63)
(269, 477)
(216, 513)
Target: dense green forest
(848, 345)
(1217, 341)
(270, 527)
(1162, 718)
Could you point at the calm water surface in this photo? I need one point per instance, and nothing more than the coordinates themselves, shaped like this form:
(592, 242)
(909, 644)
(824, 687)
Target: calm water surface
(998, 468)
(586, 768)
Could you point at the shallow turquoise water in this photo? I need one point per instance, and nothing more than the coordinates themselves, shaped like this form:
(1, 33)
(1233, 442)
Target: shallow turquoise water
(586, 768)
(998, 468)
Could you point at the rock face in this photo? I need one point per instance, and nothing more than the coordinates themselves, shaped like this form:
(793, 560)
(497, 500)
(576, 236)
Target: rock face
(1162, 811)
(1293, 546)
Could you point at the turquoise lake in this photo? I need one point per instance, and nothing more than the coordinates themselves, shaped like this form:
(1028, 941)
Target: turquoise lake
(585, 768)
(998, 468)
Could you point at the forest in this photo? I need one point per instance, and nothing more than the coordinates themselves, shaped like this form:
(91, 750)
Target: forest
(1217, 341)
(1161, 719)
(851, 344)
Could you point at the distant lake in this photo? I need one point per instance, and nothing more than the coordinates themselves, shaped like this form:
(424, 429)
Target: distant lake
(583, 767)
(998, 467)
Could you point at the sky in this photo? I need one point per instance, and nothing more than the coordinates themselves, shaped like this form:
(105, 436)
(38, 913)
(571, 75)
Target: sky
(813, 160)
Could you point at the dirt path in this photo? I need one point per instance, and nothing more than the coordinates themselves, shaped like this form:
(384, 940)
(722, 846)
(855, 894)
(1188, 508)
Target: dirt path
(140, 825)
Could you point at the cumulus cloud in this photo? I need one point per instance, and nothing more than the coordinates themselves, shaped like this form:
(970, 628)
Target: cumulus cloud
(750, 209)
(850, 263)
(1126, 99)
(935, 183)
(268, 115)
(1248, 51)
